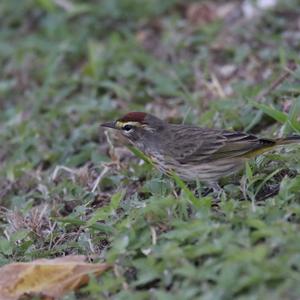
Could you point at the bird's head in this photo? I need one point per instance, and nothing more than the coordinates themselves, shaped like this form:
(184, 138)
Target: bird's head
(137, 126)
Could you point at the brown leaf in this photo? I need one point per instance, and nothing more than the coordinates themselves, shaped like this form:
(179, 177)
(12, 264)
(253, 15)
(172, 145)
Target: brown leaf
(50, 278)
(201, 13)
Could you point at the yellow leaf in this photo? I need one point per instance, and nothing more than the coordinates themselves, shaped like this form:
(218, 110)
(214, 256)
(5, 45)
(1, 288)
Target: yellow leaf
(50, 278)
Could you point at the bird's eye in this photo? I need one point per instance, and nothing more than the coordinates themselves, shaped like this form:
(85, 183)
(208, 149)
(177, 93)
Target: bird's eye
(127, 127)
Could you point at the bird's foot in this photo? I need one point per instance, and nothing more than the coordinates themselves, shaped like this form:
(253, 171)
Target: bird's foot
(217, 192)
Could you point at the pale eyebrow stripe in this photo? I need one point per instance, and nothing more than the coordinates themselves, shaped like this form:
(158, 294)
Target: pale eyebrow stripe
(120, 124)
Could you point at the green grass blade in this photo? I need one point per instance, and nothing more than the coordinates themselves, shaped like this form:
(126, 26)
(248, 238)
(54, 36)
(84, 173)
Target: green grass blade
(138, 153)
(96, 226)
(272, 112)
(187, 191)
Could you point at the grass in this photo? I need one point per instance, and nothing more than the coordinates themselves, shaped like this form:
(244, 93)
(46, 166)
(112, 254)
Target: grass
(68, 66)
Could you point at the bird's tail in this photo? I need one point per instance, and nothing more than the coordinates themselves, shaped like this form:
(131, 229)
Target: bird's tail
(288, 140)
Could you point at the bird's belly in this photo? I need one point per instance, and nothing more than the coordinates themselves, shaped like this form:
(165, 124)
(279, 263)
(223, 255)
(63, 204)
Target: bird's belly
(159, 162)
(209, 171)
(204, 171)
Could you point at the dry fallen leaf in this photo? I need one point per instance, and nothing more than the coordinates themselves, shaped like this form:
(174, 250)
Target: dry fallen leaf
(201, 13)
(49, 278)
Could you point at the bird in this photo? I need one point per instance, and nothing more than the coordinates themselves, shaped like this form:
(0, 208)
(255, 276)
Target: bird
(191, 152)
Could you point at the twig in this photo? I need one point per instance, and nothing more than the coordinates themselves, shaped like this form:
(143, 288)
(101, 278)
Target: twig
(153, 235)
(216, 84)
(99, 178)
(68, 6)
(64, 168)
(278, 81)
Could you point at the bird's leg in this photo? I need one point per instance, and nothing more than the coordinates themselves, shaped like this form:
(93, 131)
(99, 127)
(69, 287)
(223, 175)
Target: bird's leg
(198, 189)
(215, 187)
(216, 190)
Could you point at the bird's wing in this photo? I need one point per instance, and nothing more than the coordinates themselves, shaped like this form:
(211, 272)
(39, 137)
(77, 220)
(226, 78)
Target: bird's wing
(192, 144)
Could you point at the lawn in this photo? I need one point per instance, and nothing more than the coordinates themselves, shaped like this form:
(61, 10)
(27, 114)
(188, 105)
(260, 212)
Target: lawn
(67, 186)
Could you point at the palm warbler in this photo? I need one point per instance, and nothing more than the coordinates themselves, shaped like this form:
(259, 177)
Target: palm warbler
(193, 153)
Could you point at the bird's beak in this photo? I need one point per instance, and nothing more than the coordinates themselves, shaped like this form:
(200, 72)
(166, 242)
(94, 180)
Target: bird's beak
(109, 125)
